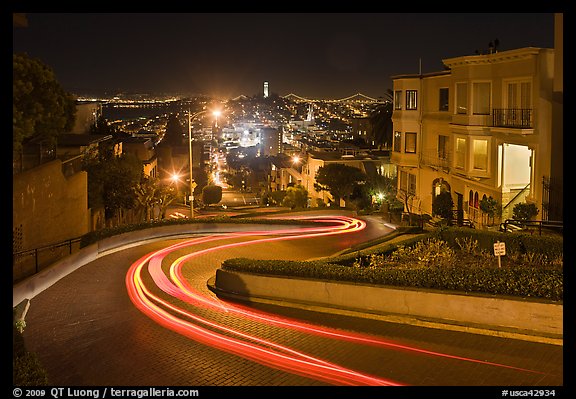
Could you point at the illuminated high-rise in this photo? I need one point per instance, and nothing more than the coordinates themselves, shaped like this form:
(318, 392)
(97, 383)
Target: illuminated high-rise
(266, 92)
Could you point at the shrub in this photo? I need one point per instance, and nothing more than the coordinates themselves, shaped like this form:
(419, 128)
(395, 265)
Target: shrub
(431, 252)
(524, 211)
(26, 368)
(27, 371)
(442, 205)
(464, 263)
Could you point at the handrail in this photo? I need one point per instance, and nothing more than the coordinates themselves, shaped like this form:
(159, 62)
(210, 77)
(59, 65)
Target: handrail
(50, 246)
(22, 266)
(550, 224)
(516, 196)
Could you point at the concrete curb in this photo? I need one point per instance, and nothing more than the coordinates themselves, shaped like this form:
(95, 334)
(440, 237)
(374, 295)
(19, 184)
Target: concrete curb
(32, 286)
(512, 318)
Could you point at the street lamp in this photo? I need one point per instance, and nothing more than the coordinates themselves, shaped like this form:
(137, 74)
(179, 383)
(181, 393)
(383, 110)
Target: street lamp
(192, 183)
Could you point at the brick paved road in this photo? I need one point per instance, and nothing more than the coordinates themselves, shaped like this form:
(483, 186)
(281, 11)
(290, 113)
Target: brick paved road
(86, 331)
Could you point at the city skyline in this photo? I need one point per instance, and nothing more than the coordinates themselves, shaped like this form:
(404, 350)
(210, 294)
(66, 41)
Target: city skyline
(322, 55)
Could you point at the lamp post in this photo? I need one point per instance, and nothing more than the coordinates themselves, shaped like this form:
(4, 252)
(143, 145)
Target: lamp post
(192, 183)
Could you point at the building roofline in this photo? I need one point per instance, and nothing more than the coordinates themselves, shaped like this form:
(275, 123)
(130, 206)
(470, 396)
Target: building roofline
(496, 57)
(420, 75)
(477, 59)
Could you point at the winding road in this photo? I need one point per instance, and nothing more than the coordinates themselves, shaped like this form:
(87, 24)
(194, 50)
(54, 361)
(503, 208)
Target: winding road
(145, 316)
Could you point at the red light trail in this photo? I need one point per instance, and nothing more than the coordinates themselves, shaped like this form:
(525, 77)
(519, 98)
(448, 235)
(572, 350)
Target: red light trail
(242, 344)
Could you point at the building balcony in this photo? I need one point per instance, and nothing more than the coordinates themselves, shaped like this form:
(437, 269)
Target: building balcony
(517, 118)
(436, 159)
(404, 159)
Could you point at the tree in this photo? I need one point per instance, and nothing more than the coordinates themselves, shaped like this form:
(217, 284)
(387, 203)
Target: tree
(165, 195)
(490, 207)
(524, 211)
(146, 196)
(151, 193)
(382, 187)
(339, 179)
(174, 132)
(276, 197)
(381, 121)
(407, 198)
(112, 182)
(40, 106)
(296, 197)
(442, 205)
(211, 194)
(103, 127)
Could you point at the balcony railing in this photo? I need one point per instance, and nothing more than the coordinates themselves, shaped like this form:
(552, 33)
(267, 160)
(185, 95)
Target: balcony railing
(519, 118)
(436, 159)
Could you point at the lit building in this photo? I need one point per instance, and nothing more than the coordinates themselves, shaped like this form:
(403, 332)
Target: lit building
(143, 149)
(285, 171)
(484, 128)
(87, 114)
(266, 88)
(270, 141)
(362, 129)
(370, 163)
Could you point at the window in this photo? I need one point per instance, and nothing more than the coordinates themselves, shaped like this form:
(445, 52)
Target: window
(442, 147)
(460, 153)
(481, 94)
(519, 95)
(411, 99)
(411, 184)
(443, 100)
(410, 143)
(398, 99)
(403, 181)
(408, 182)
(397, 141)
(480, 152)
(461, 98)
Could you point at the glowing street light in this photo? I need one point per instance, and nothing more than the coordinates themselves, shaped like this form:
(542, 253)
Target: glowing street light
(193, 184)
(175, 177)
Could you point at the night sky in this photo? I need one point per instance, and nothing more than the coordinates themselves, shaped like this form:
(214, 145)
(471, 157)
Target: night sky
(317, 55)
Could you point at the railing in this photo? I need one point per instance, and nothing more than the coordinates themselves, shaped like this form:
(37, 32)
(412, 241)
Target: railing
(512, 117)
(517, 225)
(29, 262)
(435, 159)
(72, 165)
(457, 219)
(512, 201)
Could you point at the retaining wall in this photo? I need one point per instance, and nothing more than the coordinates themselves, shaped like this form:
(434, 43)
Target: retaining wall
(531, 317)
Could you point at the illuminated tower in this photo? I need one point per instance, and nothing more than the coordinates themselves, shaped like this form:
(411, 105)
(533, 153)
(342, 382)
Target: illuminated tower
(310, 117)
(266, 89)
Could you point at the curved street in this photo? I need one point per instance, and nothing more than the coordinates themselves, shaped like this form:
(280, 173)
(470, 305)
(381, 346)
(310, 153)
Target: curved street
(144, 316)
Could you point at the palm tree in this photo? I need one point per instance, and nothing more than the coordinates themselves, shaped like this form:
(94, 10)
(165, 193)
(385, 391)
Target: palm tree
(381, 120)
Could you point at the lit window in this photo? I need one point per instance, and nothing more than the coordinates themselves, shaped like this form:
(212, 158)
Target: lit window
(398, 99)
(410, 143)
(460, 152)
(480, 148)
(411, 99)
